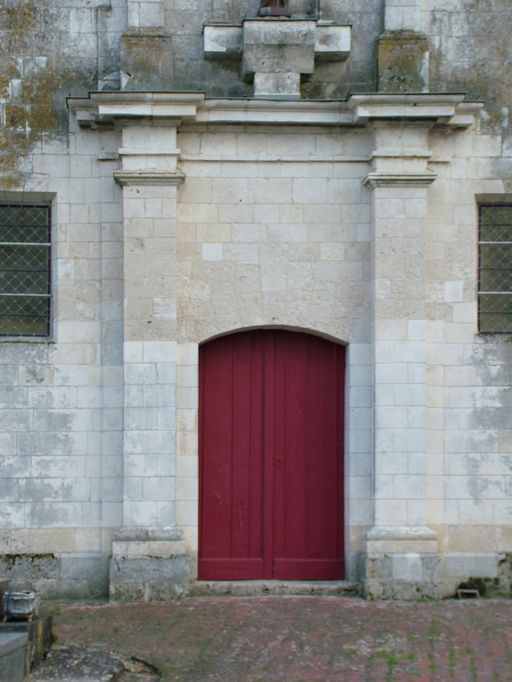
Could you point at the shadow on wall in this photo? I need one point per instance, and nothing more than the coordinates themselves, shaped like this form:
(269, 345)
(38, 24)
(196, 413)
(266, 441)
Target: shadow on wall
(283, 327)
(249, 9)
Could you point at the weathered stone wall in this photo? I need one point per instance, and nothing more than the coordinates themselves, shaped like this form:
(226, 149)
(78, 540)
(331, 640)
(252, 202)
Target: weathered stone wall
(273, 229)
(50, 50)
(469, 379)
(61, 417)
(471, 52)
(472, 420)
(190, 71)
(60, 450)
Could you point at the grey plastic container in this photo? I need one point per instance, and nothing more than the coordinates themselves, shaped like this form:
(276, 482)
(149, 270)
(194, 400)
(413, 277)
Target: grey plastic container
(22, 605)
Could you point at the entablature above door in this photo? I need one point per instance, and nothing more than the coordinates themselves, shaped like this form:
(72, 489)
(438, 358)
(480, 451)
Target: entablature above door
(120, 108)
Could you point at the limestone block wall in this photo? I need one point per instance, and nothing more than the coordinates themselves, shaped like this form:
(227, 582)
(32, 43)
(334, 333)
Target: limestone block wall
(274, 231)
(469, 381)
(61, 398)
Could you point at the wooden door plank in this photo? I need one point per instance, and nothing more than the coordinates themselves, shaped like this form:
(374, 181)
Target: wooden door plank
(231, 536)
(309, 503)
(269, 425)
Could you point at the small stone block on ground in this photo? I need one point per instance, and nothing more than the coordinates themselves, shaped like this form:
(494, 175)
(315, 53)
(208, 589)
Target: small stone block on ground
(13, 646)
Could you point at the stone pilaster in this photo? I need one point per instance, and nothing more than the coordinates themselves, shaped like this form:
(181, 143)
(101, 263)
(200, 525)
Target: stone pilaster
(149, 559)
(401, 551)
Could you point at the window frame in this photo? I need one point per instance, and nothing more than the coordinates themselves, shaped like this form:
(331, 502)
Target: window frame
(483, 203)
(49, 296)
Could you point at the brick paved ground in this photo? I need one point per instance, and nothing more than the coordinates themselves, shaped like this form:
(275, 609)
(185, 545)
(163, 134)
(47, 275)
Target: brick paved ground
(304, 638)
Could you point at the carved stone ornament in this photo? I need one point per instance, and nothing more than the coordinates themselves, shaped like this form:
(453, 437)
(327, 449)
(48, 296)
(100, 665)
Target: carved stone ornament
(273, 8)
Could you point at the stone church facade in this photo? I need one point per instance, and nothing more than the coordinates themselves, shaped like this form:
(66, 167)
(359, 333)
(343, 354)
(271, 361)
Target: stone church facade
(177, 177)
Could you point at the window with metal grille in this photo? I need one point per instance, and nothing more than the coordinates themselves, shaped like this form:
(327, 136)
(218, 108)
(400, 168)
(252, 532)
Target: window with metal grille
(495, 269)
(25, 245)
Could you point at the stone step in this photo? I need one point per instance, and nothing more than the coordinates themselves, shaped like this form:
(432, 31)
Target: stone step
(257, 588)
(13, 656)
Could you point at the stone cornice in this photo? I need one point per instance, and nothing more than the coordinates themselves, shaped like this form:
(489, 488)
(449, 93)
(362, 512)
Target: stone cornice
(375, 179)
(105, 108)
(145, 177)
(439, 108)
(274, 112)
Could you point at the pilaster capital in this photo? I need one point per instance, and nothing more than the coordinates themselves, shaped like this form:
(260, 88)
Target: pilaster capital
(125, 108)
(375, 179)
(430, 109)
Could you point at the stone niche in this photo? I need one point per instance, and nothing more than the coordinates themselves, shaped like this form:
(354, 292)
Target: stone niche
(276, 52)
(146, 60)
(403, 61)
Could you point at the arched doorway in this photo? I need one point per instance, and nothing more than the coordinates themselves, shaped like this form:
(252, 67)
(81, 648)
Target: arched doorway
(271, 457)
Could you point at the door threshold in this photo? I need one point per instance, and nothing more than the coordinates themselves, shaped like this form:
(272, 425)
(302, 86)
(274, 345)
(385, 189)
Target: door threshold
(258, 588)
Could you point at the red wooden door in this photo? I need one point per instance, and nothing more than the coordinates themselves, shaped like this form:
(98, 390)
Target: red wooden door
(271, 457)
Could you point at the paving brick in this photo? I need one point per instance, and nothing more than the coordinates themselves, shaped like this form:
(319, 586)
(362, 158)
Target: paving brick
(303, 638)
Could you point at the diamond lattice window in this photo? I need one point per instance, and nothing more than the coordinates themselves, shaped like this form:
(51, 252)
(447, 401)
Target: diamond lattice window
(24, 270)
(495, 269)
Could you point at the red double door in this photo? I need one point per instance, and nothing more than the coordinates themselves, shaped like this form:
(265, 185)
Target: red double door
(271, 457)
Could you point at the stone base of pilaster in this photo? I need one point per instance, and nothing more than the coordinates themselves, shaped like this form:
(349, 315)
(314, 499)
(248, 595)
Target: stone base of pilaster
(402, 563)
(148, 565)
